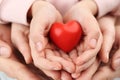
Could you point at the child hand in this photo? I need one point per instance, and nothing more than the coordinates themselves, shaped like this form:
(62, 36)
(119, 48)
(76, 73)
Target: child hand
(44, 15)
(52, 55)
(88, 73)
(92, 40)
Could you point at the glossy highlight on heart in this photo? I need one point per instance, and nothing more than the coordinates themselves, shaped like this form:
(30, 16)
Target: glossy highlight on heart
(66, 36)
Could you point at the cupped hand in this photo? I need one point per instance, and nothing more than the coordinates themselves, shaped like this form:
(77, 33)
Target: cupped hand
(112, 67)
(90, 45)
(10, 64)
(52, 54)
(107, 26)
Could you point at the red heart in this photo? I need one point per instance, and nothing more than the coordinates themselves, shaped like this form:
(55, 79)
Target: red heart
(66, 36)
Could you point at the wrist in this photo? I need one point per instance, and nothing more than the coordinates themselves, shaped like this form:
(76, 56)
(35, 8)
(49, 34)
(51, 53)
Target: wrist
(89, 5)
(37, 5)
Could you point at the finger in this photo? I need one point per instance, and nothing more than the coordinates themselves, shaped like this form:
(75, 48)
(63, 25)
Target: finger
(5, 40)
(43, 63)
(116, 60)
(20, 40)
(82, 68)
(116, 56)
(88, 23)
(40, 60)
(65, 76)
(73, 55)
(65, 63)
(85, 57)
(80, 48)
(88, 73)
(65, 56)
(89, 53)
(16, 70)
(55, 75)
(75, 75)
(108, 36)
(5, 33)
(85, 66)
(91, 30)
(5, 49)
(57, 53)
(39, 26)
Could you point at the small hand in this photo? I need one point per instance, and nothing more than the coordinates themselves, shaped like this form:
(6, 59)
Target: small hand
(92, 39)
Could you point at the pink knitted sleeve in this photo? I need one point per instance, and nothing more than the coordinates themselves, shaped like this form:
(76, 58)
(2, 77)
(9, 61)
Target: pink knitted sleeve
(14, 11)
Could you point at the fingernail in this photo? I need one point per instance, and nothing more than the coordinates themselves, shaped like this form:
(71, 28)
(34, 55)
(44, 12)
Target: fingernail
(4, 52)
(107, 57)
(39, 46)
(117, 64)
(58, 67)
(93, 43)
(75, 75)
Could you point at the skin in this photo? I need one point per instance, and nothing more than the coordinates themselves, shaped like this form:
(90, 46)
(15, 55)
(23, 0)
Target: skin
(112, 67)
(10, 63)
(108, 36)
(87, 50)
(51, 55)
(38, 41)
(48, 55)
(7, 51)
(40, 48)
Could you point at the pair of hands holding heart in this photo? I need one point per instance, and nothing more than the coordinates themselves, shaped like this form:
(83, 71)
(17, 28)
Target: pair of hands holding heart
(79, 59)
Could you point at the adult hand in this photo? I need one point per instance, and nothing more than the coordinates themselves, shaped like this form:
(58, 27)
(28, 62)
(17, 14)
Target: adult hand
(107, 26)
(104, 69)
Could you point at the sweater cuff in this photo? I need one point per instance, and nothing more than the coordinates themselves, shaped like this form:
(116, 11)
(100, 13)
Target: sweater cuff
(106, 6)
(15, 11)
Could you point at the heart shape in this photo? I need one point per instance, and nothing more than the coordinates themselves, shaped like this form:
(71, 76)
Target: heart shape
(66, 36)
